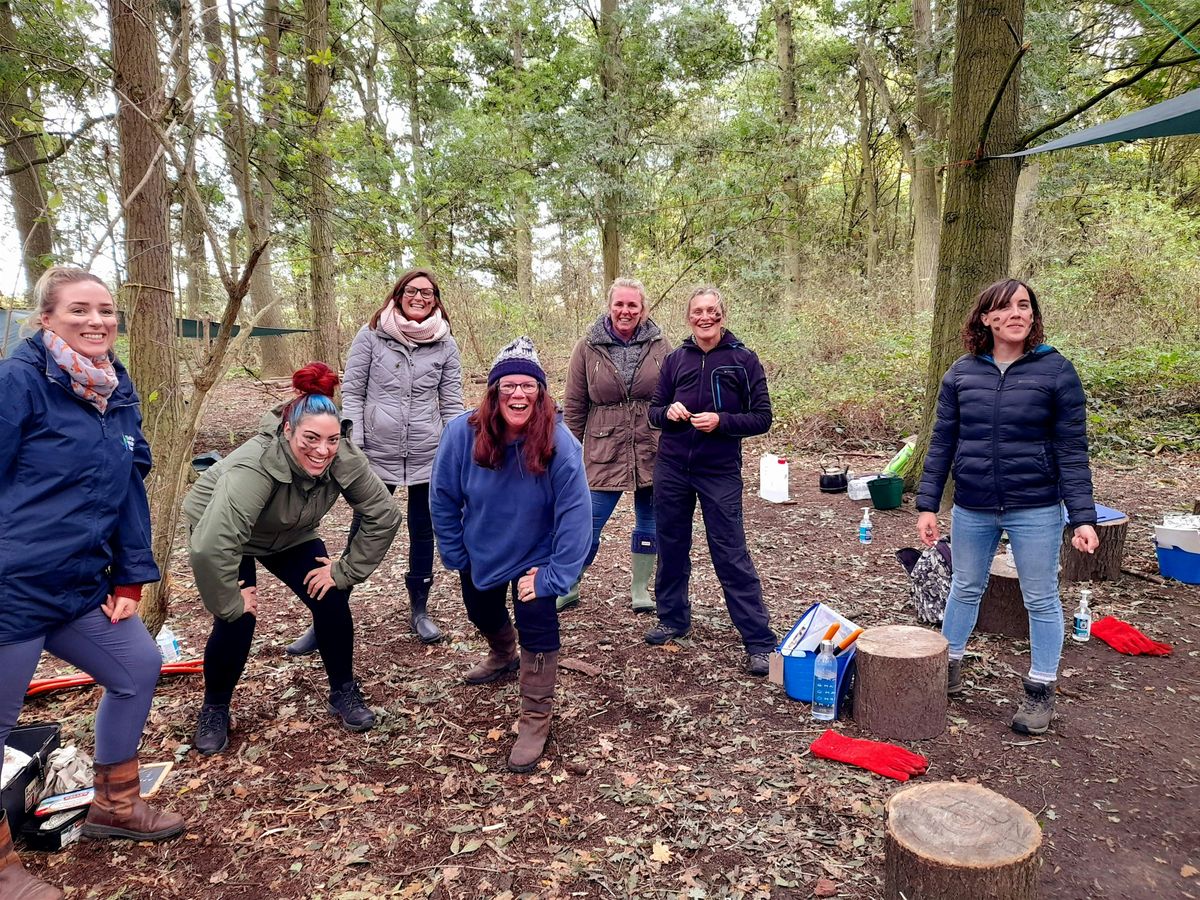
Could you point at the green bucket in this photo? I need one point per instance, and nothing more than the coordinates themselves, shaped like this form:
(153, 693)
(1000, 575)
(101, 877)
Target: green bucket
(886, 491)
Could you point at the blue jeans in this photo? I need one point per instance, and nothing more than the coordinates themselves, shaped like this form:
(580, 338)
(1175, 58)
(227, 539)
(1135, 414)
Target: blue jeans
(603, 504)
(1035, 536)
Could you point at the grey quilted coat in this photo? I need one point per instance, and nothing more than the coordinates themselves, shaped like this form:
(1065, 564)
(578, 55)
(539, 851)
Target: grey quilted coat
(399, 399)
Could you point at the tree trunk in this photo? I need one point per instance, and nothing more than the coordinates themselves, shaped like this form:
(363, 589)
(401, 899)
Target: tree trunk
(785, 52)
(148, 296)
(320, 198)
(925, 188)
(426, 245)
(191, 232)
(523, 235)
(1002, 608)
(29, 187)
(611, 165)
(1027, 185)
(900, 691)
(870, 188)
(980, 195)
(1105, 563)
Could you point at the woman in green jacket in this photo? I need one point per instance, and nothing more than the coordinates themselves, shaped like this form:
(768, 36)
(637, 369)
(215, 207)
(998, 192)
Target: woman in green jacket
(264, 502)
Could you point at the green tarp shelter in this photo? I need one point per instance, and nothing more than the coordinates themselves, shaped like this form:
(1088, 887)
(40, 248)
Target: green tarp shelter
(1180, 115)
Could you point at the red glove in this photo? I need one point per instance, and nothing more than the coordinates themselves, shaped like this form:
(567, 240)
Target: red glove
(875, 756)
(1124, 638)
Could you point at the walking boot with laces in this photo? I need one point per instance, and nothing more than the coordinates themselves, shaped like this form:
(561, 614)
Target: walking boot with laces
(348, 704)
(118, 810)
(212, 729)
(954, 677)
(501, 660)
(539, 673)
(418, 597)
(305, 644)
(1037, 708)
(15, 882)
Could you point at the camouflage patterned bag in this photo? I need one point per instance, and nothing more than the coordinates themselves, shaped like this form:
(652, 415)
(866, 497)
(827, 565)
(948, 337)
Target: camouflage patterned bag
(929, 573)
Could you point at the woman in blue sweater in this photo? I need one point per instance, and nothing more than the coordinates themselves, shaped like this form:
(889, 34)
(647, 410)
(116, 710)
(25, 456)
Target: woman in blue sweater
(512, 513)
(1012, 429)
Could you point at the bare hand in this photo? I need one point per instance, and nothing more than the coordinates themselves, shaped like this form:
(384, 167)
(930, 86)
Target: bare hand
(1085, 539)
(525, 588)
(706, 421)
(927, 528)
(320, 579)
(118, 608)
(249, 599)
(677, 412)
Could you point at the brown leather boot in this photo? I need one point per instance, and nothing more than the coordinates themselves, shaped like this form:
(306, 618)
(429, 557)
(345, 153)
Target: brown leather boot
(539, 672)
(501, 659)
(118, 810)
(15, 882)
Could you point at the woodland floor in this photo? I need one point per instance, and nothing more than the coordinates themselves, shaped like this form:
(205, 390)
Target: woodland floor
(669, 773)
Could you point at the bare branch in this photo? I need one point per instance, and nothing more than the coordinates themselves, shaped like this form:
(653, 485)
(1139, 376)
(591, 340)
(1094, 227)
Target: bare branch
(63, 146)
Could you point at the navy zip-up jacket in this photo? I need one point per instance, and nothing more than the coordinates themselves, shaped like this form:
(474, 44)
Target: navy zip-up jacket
(1015, 440)
(729, 380)
(74, 520)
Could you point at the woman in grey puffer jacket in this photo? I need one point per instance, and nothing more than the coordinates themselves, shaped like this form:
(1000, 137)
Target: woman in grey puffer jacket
(402, 384)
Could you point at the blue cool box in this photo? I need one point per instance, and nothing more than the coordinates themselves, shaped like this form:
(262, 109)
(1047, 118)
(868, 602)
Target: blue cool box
(1178, 564)
(798, 664)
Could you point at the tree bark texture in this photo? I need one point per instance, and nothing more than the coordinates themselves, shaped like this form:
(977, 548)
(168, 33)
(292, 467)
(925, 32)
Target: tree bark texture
(1105, 563)
(1002, 608)
(29, 187)
(148, 295)
(900, 693)
(977, 218)
(1027, 186)
(191, 231)
(320, 196)
(523, 215)
(870, 185)
(949, 840)
(785, 52)
(926, 186)
(611, 191)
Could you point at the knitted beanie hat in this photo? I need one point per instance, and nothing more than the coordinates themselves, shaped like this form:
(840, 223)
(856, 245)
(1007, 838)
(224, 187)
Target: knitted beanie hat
(518, 358)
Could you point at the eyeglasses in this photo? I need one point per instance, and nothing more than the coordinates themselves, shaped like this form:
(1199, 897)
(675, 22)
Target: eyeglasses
(525, 387)
(425, 293)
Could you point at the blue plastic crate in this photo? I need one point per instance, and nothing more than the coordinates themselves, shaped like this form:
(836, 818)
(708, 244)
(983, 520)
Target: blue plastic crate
(1177, 564)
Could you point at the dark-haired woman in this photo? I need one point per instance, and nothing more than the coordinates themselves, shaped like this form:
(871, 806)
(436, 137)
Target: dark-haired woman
(512, 512)
(263, 504)
(75, 546)
(402, 384)
(1012, 428)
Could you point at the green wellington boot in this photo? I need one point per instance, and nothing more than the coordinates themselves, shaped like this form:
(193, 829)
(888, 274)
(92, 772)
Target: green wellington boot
(642, 566)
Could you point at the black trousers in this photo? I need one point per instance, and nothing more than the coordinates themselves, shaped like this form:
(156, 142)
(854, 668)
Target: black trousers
(537, 619)
(229, 644)
(420, 529)
(720, 495)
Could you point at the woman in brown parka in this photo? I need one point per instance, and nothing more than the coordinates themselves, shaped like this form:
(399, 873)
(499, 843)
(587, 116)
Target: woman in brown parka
(612, 375)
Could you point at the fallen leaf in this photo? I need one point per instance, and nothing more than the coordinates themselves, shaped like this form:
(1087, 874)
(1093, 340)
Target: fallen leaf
(660, 853)
(1189, 872)
(825, 888)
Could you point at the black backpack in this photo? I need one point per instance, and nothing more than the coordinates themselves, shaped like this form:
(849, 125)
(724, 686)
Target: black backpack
(929, 573)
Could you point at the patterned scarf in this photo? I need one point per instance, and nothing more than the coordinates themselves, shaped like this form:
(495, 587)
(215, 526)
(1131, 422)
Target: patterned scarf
(393, 323)
(92, 377)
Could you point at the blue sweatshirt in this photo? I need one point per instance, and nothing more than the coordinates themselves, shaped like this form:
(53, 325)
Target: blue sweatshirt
(502, 522)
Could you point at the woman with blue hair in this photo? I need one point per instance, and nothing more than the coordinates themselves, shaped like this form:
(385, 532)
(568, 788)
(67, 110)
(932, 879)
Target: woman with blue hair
(263, 504)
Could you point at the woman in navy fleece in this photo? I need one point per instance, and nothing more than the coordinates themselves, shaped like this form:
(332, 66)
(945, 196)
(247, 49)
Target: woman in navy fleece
(512, 512)
(1012, 429)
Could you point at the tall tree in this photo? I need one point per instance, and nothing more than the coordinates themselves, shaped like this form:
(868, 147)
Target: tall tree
(318, 78)
(870, 183)
(190, 228)
(612, 163)
(785, 53)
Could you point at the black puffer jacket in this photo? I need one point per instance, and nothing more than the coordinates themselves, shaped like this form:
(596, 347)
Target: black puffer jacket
(1012, 441)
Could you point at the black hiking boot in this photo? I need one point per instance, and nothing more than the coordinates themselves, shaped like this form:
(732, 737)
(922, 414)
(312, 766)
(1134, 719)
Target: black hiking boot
(1037, 708)
(662, 633)
(954, 678)
(305, 644)
(347, 704)
(212, 729)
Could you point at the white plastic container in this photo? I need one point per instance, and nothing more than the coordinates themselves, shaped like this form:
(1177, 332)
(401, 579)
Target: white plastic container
(773, 478)
(168, 645)
(856, 488)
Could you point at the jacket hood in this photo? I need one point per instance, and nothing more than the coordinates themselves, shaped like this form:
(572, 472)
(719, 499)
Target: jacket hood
(598, 334)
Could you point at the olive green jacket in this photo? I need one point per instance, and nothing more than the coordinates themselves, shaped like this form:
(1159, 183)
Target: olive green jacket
(258, 501)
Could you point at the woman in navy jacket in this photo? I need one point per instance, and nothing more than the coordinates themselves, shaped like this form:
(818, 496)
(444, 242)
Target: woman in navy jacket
(75, 545)
(712, 393)
(1012, 429)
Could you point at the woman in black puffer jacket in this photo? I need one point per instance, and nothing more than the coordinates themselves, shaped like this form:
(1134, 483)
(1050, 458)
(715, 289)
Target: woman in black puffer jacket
(1012, 429)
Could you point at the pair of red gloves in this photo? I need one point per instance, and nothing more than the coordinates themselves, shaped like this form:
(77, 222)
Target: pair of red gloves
(874, 756)
(1124, 638)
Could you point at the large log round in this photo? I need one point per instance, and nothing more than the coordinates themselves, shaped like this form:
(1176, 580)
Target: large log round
(1105, 563)
(1002, 609)
(900, 692)
(951, 841)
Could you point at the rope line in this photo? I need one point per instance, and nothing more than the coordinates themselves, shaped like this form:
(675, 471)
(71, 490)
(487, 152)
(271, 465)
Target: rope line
(1170, 27)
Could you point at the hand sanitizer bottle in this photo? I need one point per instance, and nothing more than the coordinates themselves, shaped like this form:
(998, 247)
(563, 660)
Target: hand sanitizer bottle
(1081, 629)
(864, 527)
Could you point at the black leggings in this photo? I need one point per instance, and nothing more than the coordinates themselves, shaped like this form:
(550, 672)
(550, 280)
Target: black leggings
(229, 644)
(420, 529)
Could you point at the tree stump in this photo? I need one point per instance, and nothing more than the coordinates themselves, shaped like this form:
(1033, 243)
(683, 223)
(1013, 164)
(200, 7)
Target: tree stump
(1002, 609)
(947, 841)
(1105, 563)
(900, 692)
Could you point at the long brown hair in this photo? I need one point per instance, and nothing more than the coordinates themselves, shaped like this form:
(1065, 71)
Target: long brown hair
(397, 293)
(977, 337)
(490, 429)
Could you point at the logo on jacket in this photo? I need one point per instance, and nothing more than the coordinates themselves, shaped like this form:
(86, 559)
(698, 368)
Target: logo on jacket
(130, 441)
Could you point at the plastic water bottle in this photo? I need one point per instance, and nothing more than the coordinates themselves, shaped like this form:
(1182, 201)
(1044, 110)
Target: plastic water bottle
(168, 645)
(1081, 629)
(864, 527)
(824, 703)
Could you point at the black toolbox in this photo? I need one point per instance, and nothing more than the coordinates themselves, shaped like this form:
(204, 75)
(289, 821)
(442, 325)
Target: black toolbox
(20, 795)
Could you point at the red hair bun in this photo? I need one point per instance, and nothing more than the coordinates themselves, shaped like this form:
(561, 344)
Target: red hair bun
(315, 378)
